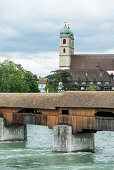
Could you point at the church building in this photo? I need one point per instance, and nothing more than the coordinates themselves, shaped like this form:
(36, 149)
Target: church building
(86, 69)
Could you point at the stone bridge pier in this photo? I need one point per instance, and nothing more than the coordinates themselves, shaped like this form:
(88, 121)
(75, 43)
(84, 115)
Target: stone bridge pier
(65, 141)
(13, 132)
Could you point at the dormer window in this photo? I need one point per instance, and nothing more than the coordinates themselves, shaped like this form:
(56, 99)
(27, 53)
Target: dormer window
(83, 82)
(64, 41)
(107, 82)
(91, 82)
(76, 82)
(64, 50)
(99, 82)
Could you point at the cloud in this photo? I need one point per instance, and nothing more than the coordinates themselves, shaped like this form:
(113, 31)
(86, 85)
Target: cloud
(34, 25)
(40, 64)
(29, 29)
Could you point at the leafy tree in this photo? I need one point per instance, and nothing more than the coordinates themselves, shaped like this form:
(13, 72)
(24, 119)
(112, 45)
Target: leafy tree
(60, 80)
(32, 84)
(92, 88)
(17, 83)
(13, 80)
(49, 88)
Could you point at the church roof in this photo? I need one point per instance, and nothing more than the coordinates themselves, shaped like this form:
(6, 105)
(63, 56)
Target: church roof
(92, 75)
(92, 61)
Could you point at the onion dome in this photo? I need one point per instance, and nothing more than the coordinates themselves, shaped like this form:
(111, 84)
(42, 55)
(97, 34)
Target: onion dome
(71, 33)
(66, 31)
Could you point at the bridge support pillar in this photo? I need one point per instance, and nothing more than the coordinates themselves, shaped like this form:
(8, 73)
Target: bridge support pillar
(65, 141)
(12, 132)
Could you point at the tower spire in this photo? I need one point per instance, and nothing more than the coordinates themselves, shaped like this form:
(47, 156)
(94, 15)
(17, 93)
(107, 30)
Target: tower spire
(68, 24)
(65, 21)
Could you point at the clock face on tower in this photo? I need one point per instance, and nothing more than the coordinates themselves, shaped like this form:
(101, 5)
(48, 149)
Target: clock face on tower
(65, 62)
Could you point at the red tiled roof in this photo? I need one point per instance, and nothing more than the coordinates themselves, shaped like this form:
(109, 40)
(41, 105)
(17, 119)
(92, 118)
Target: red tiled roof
(42, 80)
(92, 61)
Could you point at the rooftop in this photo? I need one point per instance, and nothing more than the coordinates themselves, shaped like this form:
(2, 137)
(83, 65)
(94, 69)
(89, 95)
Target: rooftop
(92, 61)
(79, 99)
(42, 80)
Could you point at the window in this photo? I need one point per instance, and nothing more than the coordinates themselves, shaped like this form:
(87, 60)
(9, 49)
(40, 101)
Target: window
(76, 82)
(83, 82)
(64, 41)
(99, 82)
(64, 50)
(107, 82)
(107, 88)
(65, 112)
(91, 82)
(82, 88)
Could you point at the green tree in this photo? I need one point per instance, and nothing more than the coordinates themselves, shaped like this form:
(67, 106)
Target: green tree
(13, 80)
(17, 83)
(30, 81)
(92, 88)
(60, 80)
(49, 88)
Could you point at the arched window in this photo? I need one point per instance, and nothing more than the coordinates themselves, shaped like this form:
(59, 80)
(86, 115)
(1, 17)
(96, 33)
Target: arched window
(64, 50)
(64, 41)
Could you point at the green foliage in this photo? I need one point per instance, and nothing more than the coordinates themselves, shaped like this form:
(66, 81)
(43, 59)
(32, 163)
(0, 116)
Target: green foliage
(49, 88)
(13, 80)
(60, 80)
(32, 84)
(92, 88)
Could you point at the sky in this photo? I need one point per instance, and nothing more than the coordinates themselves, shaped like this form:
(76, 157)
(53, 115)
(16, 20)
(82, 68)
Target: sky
(29, 30)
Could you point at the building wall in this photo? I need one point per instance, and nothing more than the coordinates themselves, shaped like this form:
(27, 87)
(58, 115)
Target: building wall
(42, 88)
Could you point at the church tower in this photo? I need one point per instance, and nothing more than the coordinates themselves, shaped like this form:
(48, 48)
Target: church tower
(66, 47)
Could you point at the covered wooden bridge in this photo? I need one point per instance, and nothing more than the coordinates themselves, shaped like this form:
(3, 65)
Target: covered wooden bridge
(73, 116)
(85, 111)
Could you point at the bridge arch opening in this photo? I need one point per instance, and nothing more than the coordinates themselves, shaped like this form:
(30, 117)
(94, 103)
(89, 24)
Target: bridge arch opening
(104, 114)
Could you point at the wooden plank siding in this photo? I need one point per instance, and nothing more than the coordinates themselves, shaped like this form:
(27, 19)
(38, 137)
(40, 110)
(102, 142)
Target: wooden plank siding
(79, 118)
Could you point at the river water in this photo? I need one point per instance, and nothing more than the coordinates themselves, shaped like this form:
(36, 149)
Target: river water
(36, 154)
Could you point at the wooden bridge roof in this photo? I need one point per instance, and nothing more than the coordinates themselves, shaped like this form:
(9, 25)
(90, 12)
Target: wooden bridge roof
(80, 99)
(87, 99)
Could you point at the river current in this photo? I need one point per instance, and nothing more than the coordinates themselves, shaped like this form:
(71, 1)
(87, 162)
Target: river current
(36, 153)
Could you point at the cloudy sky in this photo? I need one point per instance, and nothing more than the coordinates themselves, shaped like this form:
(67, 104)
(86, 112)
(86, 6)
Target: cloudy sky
(29, 30)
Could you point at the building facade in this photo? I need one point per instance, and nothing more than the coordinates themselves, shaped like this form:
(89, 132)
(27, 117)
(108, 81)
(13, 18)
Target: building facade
(42, 84)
